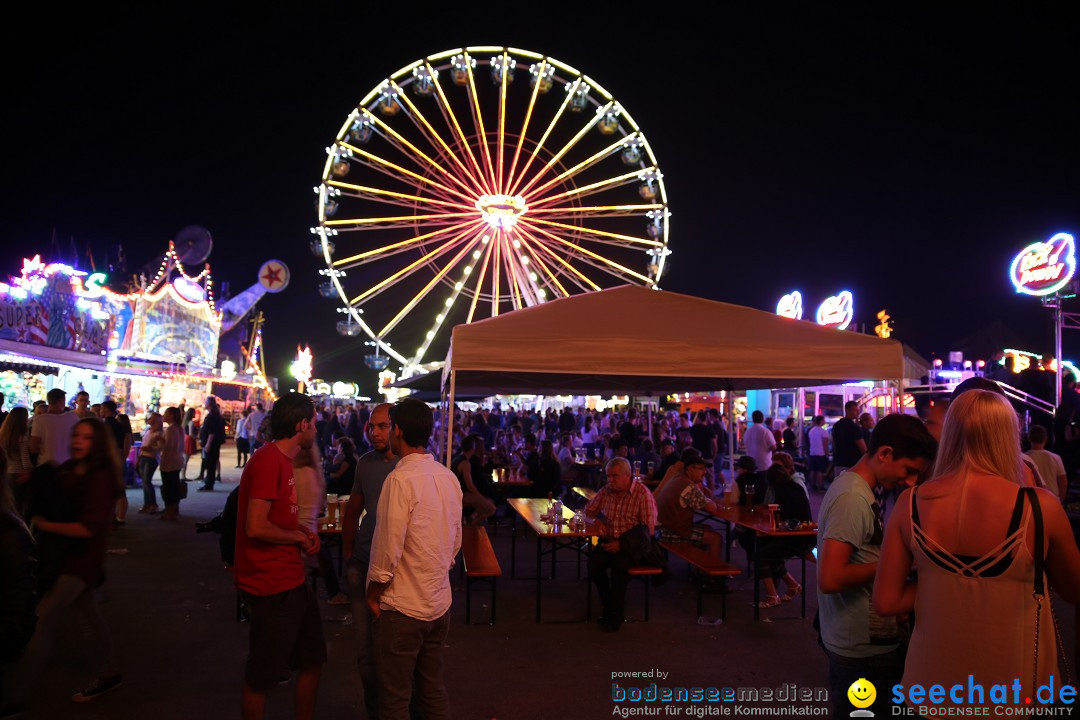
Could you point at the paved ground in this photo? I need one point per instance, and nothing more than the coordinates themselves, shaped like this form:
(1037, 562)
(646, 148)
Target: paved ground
(171, 606)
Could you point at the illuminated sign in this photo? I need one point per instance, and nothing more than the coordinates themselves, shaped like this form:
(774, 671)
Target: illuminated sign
(274, 276)
(1043, 268)
(884, 329)
(837, 311)
(189, 290)
(790, 306)
(346, 390)
(94, 285)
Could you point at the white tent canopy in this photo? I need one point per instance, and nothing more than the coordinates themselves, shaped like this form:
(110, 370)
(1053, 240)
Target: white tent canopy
(632, 340)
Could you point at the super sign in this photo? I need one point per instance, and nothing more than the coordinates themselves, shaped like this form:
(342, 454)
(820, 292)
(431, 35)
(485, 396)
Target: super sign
(1043, 268)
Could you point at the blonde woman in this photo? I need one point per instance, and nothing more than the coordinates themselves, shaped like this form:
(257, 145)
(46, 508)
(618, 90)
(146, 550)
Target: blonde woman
(15, 441)
(969, 532)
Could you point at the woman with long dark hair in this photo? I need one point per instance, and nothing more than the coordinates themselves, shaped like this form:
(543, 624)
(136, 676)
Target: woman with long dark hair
(15, 442)
(79, 516)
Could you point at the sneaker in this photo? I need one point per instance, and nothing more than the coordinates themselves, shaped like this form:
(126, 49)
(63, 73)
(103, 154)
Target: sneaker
(339, 599)
(97, 688)
(203, 488)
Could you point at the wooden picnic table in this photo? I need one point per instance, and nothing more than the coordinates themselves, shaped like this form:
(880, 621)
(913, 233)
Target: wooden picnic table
(554, 535)
(757, 519)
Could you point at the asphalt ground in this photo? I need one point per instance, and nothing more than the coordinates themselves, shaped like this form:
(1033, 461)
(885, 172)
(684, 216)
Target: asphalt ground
(171, 606)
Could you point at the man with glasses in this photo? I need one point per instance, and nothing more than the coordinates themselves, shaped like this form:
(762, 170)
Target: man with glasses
(371, 472)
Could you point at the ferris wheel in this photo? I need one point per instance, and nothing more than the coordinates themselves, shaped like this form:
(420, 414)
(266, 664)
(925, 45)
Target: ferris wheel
(478, 181)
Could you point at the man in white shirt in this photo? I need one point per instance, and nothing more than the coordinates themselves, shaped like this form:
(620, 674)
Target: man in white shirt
(759, 441)
(819, 453)
(50, 433)
(417, 536)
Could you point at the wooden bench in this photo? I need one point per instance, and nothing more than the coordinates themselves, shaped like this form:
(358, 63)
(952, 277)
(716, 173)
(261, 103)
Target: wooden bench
(708, 567)
(639, 572)
(480, 563)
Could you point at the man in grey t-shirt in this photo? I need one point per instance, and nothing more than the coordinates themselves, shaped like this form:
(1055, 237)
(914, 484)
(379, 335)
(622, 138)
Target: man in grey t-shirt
(858, 642)
(371, 472)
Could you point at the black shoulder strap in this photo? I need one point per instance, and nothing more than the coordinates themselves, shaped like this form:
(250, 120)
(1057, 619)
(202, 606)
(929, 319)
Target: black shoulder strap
(1036, 513)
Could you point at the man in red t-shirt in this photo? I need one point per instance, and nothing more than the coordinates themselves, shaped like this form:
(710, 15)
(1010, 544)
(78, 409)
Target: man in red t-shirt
(286, 629)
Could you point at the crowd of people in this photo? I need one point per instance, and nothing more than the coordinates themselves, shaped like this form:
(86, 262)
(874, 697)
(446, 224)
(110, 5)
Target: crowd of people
(930, 529)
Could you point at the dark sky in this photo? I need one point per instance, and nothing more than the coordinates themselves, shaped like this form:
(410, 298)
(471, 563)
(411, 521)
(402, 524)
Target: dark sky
(903, 152)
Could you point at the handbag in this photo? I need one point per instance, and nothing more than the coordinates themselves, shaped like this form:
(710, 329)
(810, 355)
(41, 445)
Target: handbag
(1039, 593)
(181, 491)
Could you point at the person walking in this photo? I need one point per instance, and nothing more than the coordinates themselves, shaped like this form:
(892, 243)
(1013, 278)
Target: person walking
(75, 524)
(211, 437)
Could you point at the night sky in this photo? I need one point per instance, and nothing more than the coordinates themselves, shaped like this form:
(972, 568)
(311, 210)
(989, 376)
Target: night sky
(904, 153)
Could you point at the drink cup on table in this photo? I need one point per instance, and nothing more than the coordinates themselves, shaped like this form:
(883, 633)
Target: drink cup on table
(331, 508)
(749, 490)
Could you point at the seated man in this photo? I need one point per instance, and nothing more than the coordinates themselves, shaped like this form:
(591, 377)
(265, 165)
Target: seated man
(625, 513)
(678, 499)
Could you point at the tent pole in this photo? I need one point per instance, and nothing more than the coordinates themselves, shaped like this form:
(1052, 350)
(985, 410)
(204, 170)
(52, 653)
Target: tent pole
(800, 401)
(648, 419)
(731, 433)
(450, 421)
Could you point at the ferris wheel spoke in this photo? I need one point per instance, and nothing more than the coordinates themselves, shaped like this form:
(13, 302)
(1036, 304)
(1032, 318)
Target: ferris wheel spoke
(502, 120)
(543, 138)
(565, 148)
(478, 122)
(609, 266)
(418, 156)
(399, 221)
(446, 268)
(479, 282)
(525, 122)
(584, 190)
(528, 241)
(573, 271)
(599, 233)
(397, 247)
(582, 166)
(595, 210)
(408, 269)
(421, 122)
(404, 199)
(451, 118)
(393, 166)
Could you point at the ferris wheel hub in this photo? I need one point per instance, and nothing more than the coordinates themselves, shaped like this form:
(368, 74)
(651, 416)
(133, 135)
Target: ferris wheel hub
(501, 211)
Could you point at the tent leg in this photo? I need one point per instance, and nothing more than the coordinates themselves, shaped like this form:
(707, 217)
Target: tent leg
(731, 433)
(450, 421)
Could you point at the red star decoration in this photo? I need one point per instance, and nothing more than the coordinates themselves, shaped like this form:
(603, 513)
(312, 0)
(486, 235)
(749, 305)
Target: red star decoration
(273, 275)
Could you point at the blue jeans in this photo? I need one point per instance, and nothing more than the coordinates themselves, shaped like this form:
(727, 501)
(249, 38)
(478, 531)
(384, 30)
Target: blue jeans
(408, 650)
(147, 466)
(883, 671)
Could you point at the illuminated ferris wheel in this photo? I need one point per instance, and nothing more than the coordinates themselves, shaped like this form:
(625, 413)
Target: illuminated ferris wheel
(478, 181)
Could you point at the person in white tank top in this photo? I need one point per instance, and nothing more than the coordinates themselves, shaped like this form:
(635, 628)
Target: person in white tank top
(969, 535)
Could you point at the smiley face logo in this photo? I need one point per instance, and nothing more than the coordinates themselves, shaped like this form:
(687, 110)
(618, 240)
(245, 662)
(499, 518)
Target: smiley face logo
(862, 693)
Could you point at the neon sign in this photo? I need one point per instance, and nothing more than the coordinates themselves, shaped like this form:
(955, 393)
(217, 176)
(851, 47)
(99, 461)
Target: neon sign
(790, 306)
(1043, 268)
(837, 311)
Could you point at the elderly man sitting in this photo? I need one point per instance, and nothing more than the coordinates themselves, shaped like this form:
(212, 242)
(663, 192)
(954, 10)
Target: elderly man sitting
(625, 513)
